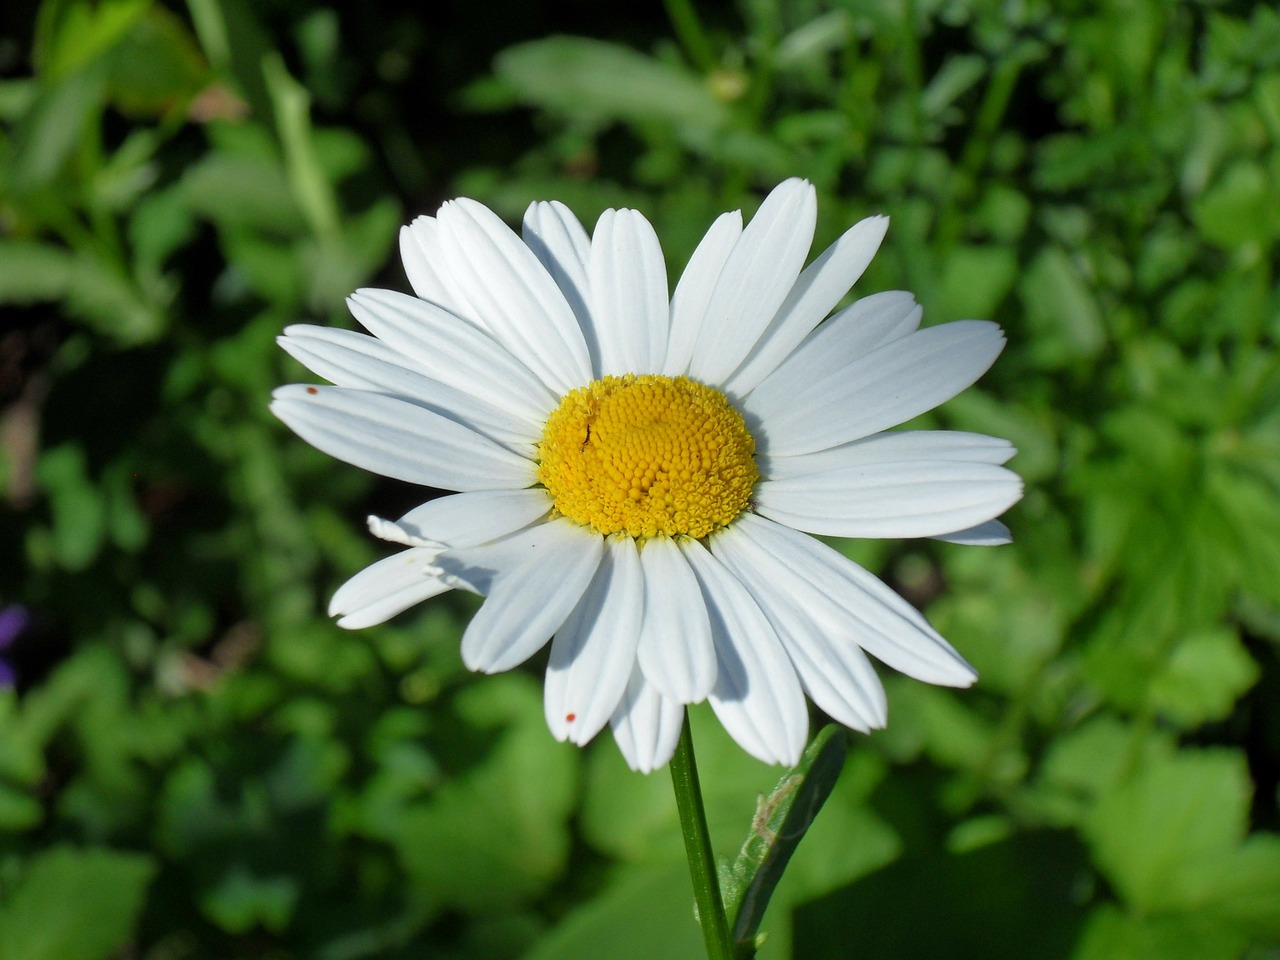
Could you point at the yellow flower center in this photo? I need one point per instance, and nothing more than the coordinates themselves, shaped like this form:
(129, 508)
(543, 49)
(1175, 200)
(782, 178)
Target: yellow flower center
(648, 456)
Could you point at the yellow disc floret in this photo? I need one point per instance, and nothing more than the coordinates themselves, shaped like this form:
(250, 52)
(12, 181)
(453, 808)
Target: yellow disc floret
(648, 456)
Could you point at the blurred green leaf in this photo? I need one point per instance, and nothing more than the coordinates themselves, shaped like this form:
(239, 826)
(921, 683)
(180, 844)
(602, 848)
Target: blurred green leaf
(79, 516)
(1061, 309)
(19, 811)
(597, 81)
(957, 75)
(1171, 832)
(160, 224)
(239, 189)
(55, 125)
(1203, 677)
(1235, 210)
(1085, 763)
(73, 904)
(1114, 935)
(975, 279)
(644, 912)
(497, 833)
(72, 33)
(814, 40)
(242, 902)
(31, 272)
(156, 66)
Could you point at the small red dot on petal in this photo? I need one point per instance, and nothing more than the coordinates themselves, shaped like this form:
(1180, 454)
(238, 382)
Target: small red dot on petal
(312, 390)
(570, 717)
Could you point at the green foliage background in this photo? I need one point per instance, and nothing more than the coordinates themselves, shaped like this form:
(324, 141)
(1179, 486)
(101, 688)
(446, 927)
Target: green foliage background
(196, 764)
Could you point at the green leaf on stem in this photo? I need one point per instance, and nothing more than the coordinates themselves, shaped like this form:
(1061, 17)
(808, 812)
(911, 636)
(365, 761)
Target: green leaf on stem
(781, 821)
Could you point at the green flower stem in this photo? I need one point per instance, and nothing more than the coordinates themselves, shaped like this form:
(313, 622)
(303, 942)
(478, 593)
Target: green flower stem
(697, 845)
(688, 28)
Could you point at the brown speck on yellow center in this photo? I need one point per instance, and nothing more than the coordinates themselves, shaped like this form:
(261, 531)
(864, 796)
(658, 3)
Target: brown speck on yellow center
(648, 455)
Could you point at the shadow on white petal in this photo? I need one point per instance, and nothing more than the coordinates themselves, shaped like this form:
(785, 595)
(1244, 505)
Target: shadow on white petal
(757, 695)
(532, 580)
(646, 725)
(594, 651)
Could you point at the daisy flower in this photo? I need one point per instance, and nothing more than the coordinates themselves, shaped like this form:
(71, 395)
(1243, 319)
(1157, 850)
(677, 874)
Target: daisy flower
(638, 475)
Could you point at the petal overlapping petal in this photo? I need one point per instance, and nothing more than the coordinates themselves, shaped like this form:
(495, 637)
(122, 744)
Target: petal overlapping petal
(909, 484)
(888, 386)
(675, 652)
(398, 439)
(593, 652)
(560, 242)
(394, 584)
(420, 251)
(757, 695)
(469, 519)
(627, 279)
(512, 295)
(383, 589)
(444, 347)
(693, 291)
(818, 289)
(755, 280)
(849, 335)
(531, 580)
(851, 603)
(349, 359)
(832, 667)
(900, 445)
(646, 725)
(993, 533)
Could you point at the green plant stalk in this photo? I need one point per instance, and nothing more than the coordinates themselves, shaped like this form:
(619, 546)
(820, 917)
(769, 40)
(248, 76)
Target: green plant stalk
(697, 845)
(688, 28)
(995, 100)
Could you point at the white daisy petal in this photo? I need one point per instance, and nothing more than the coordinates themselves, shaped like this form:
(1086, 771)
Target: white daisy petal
(444, 347)
(850, 334)
(993, 533)
(561, 244)
(513, 295)
(646, 725)
(851, 602)
(383, 589)
(420, 251)
(834, 670)
(469, 519)
(392, 532)
(593, 652)
(890, 385)
(694, 290)
(891, 492)
(532, 580)
(394, 584)
(902, 445)
(755, 280)
(397, 439)
(628, 282)
(815, 294)
(350, 359)
(757, 695)
(676, 652)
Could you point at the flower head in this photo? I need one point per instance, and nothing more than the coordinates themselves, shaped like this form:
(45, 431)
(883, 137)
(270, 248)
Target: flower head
(637, 476)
